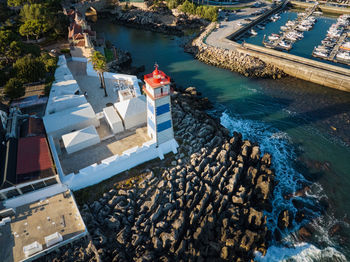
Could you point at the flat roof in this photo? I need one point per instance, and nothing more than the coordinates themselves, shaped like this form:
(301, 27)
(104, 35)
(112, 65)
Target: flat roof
(80, 136)
(68, 117)
(34, 221)
(115, 145)
(33, 155)
(130, 107)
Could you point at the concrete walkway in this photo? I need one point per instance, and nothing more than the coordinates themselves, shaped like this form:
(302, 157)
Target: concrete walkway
(91, 85)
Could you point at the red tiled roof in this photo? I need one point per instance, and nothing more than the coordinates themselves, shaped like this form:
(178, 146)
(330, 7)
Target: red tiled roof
(33, 155)
(78, 36)
(74, 29)
(81, 43)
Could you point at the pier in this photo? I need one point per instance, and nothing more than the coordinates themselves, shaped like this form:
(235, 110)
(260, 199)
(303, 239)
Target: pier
(276, 44)
(336, 47)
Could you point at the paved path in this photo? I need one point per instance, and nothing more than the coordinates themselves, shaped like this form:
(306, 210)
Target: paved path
(218, 37)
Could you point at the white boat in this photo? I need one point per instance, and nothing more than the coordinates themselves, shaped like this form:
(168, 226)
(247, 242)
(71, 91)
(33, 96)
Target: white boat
(320, 54)
(318, 13)
(345, 56)
(260, 27)
(285, 45)
(291, 37)
(253, 32)
(290, 23)
(284, 28)
(272, 38)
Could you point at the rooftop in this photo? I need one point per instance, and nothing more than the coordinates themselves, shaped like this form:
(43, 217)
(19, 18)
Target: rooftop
(157, 78)
(33, 155)
(115, 145)
(34, 221)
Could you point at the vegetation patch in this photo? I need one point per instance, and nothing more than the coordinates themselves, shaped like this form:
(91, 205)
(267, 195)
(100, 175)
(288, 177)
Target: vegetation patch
(21, 60)
(206, 12)
(109, 55)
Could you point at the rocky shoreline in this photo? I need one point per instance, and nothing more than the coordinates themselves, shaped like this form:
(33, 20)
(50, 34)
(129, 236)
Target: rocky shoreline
(171, 22)
(244, 64)
(206, 203)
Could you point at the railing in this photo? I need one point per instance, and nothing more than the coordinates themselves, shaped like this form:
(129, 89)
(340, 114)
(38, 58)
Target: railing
(24, 188)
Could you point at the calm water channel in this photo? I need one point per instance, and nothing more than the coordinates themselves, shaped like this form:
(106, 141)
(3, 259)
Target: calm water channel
(306, 127)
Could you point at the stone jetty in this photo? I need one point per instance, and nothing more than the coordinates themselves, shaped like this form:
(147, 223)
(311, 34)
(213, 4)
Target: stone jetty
(206, 203)
(233, 60)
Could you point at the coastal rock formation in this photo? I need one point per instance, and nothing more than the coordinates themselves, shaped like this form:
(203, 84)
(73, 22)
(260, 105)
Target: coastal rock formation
(206, 203)
(170, 22)
(233, 60)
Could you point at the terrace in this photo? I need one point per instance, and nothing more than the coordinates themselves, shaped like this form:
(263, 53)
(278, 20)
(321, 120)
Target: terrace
(34, 221)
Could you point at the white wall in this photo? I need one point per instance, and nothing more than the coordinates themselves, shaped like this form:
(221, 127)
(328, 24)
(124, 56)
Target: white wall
(79, 59)
(116, 164)
(35, 196)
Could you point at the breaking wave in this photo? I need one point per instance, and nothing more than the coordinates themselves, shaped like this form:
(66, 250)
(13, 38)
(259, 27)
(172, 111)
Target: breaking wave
(302, 252)
(279, 145)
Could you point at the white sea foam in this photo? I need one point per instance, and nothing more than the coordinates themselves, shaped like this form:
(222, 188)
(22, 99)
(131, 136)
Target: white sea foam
(302, 252)
(278, 144)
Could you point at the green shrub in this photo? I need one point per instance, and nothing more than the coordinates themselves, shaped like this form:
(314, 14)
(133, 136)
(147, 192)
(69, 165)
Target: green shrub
(29, 69)
(14, 88)
(65, 51)
(206, 12)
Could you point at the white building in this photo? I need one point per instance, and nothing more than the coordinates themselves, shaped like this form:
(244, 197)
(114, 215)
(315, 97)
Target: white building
(69, 120)
(132, 111)
(80, 139)
(159, 121)
(62, 102)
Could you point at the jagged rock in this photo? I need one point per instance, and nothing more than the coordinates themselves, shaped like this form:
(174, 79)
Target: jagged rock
(284, 219)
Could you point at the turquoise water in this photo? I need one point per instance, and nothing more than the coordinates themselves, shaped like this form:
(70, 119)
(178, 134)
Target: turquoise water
(290, 118)
(303, 47)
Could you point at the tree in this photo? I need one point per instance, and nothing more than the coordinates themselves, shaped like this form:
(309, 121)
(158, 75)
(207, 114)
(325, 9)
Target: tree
(6, 38)
(14, 88)
(5, 12)
(33, 28)
(33, 12)
(100, 66)
(26, 29)
(49, 62)
(14, 50)
(29, 68)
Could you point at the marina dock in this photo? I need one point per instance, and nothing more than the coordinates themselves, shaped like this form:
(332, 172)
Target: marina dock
(276, 44)
(335, 47)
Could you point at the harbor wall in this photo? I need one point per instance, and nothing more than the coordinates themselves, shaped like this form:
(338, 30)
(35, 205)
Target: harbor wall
(323, 8)
(248, 26)
(299, 67)
(303, 68)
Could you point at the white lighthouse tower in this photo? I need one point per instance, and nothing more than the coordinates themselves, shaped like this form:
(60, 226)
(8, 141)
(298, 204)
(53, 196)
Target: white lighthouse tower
(159, 121)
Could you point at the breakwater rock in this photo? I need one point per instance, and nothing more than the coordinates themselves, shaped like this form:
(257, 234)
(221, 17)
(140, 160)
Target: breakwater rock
(206, 203)
(233, 60)
(171, 22)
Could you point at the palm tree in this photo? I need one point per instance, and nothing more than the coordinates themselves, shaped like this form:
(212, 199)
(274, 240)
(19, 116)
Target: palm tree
(100, 66)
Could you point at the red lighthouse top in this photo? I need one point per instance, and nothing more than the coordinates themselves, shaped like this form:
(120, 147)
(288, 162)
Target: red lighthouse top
(157, 78)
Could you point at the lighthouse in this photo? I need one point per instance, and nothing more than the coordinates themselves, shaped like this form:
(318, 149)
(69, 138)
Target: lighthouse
(159, 121)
